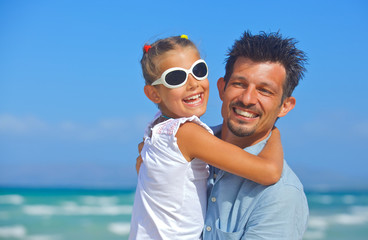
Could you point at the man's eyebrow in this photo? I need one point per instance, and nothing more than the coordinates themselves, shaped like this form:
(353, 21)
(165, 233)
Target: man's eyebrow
(271, 86)
(238, 77)
(268, 84)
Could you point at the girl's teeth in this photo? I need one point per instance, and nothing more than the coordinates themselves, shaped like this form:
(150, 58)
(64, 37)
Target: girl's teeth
(194, 97)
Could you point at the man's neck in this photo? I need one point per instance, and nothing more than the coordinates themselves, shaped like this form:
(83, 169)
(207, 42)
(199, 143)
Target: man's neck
(242, 142)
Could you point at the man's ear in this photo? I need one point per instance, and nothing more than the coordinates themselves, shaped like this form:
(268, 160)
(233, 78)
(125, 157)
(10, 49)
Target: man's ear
(152, 93)
(221, 87)
(287, 105)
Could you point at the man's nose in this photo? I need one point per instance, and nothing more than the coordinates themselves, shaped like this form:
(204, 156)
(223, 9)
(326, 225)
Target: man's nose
(249, 95)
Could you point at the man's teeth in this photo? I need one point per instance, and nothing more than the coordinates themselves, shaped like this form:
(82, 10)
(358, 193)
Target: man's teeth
(245, 114)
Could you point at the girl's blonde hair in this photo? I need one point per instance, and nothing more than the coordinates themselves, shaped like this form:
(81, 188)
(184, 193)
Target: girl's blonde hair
(152, 52)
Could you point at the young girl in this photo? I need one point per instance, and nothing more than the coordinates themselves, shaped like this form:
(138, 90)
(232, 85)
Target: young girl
(170, 200)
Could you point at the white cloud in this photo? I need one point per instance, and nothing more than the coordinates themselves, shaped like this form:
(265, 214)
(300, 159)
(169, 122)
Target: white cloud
(113, 128)
(105, 128)
(111, 124)
(361, 129)
(330, 125)
(15, 125)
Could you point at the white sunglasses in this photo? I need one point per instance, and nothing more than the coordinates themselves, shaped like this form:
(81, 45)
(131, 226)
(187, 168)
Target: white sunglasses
(176, 77)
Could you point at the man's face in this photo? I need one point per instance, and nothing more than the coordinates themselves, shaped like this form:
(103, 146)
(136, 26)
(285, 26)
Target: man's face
(252, 98)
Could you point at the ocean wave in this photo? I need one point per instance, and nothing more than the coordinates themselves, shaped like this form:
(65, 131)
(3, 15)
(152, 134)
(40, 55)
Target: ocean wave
(314, 235)
(20, 232)
(324, 199)
(73, 209)
(361, 210)
(327, 199)
(43, 237)
(356, 216)
(318, 225)
(350, 219)
(4, 215)
(348, 199)
(11, 199)
(119, 228)
(16, 231)
(103, 201)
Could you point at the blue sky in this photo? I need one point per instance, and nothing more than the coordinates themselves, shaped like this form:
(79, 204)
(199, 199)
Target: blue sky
(72, 107)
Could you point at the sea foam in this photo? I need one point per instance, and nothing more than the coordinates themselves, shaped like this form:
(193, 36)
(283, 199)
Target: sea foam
(43, 237)
(11, 199)
(16, 231)
(350, 219)
(314, 235)
(355, 216)
(348, 199)
(320, 223)
(74, 209)
(103, 201)
(325, 199)
(119, 228)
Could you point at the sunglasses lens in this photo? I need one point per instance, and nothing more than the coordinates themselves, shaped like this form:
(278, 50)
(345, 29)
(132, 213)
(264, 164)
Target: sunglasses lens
(176, 77)
(200, 70)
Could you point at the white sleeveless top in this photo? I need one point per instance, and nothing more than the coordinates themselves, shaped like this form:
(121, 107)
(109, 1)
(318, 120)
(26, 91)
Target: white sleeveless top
(170, 200)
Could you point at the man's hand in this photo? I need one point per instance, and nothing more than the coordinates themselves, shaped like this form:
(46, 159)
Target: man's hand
(139, 160)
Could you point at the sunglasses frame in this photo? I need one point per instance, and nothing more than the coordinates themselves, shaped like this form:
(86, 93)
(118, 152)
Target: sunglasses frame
(162, 79)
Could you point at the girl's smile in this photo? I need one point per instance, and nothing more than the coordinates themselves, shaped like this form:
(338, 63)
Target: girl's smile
(194, 100)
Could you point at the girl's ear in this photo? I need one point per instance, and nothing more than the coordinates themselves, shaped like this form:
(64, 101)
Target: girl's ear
(152, 93)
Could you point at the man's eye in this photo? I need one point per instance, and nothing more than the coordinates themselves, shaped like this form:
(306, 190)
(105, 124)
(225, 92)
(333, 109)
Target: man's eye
(265, 91)
(239, 84)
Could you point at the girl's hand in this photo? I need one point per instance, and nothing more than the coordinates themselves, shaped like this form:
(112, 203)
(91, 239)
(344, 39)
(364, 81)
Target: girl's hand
(138, 163)
(139, 160)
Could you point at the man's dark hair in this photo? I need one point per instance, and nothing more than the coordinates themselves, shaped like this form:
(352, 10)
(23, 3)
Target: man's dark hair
(269, 47)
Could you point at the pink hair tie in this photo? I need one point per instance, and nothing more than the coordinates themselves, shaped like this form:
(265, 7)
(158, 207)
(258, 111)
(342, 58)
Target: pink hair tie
(146, 48)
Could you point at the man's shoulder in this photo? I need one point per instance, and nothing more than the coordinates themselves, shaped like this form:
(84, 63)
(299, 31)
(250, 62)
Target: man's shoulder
(216, 130)
(289, 178)
(289, 184)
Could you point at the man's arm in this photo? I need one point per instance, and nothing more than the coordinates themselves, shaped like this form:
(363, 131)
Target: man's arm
(280, 214)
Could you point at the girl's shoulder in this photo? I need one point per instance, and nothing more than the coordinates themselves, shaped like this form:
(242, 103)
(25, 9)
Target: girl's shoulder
(171, 126)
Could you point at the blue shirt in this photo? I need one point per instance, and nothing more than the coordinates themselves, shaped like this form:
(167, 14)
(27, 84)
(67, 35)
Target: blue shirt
(242, 209)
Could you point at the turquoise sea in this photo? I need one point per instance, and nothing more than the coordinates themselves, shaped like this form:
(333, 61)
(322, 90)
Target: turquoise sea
(78, 214)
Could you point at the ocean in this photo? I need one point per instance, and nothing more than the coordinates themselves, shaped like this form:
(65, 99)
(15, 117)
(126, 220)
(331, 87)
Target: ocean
(78, 214)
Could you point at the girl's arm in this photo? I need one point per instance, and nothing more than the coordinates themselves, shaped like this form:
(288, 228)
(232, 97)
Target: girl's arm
(273, 153)
(196, 142)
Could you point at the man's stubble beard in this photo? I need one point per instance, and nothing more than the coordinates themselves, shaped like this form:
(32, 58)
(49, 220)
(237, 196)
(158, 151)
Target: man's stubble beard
(237, 127)
(240, 131)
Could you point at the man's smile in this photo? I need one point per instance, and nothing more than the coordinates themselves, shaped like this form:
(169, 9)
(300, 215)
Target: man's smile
(245, 113)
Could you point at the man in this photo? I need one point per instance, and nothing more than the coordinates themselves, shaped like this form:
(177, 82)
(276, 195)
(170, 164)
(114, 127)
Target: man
(261, 74)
